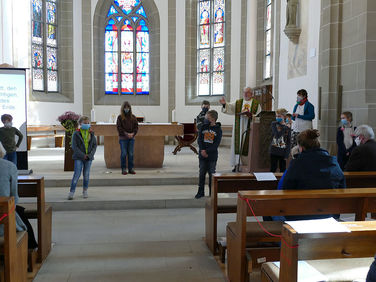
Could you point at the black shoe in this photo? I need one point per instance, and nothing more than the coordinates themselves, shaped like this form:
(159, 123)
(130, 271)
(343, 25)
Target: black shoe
(234, 169)
(198, 196)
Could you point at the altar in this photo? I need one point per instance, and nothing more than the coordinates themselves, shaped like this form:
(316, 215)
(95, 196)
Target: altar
(149, 143)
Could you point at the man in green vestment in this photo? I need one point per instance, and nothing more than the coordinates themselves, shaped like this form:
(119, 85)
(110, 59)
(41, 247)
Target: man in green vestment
(243, 109)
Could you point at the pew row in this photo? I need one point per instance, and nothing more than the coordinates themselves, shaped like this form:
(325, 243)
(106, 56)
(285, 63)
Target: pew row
(344, 248)
(33, 187)
(13, 246)
(234, 182)
(241, 233)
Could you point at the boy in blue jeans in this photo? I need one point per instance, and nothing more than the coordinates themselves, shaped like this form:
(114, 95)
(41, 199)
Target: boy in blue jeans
(8, 138)
(209, 138)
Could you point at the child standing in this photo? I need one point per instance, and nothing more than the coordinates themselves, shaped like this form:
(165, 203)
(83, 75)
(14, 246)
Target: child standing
(84, 145)
(281, 142)
(7, 138)
(127, 127)
(345, 139)
(209, 138)
(205, 106)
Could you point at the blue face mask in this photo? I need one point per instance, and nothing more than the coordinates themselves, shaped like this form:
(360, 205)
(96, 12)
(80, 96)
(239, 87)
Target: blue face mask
(206, 121)
(205, 109)
(85, 126)
(126, 111)
(279, 119)
(344, 121)
(287, 120)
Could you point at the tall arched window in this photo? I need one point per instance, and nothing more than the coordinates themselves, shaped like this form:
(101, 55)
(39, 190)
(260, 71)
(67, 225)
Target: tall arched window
(211, 47)
(44, 46)
(268, 40)
(126, 49)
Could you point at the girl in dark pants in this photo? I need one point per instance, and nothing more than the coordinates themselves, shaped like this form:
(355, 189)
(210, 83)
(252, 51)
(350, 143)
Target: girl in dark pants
(345, 139)
(281, 142)
(127, 127)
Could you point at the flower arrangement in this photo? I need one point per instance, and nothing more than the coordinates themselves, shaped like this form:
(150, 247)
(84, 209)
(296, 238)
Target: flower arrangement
(70, 121)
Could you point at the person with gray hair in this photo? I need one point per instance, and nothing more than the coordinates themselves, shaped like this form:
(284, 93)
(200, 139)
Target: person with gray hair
(363, 157)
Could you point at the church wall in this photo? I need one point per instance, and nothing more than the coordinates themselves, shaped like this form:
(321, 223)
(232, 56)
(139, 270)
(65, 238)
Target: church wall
(298, 64)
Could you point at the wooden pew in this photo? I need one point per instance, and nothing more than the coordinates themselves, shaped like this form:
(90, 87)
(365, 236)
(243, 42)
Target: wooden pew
(45, 131)
(359, 243)
(234, 182)
(13, 246)
(31, 187)
(358, 201)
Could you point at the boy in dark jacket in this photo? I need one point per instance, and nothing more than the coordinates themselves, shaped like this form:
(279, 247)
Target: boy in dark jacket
(281, 142)
(84, 145)
(205, 106)
(209, 138)
(8, 138)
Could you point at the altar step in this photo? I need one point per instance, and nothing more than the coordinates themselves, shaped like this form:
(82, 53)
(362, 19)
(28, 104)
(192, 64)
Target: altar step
(123, 198)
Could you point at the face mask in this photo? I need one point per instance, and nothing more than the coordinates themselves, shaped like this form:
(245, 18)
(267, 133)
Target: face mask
(8, 124)
(299, 99)
(206, 121)
(205, 109)
(358, 141)
(85, 126)
(287, 120)
(279, 119)
(126, 111)
(344, 121)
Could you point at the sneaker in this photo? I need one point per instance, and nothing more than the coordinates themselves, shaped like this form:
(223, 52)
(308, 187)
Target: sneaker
(84, 194)
(132, 172)
(198, 196)
(124, 172)
(70, 196)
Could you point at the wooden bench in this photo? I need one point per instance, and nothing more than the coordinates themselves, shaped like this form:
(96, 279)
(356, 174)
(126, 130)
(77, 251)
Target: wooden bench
(356, 201)
(226, 130)
(234, 182)
(45, 131)
(359, 243)
(13, 246)
(33, 187)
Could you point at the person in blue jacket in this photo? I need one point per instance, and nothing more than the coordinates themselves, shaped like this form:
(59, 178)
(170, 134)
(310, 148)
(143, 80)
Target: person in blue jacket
(313, 168)
(303, 114)
(209, 138)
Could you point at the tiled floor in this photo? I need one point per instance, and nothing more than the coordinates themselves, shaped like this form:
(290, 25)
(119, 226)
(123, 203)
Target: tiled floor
(132, 245)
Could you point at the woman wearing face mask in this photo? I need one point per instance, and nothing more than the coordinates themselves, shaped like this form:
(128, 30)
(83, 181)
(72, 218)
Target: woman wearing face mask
(127, 127)
(345, 140)
(303, 114)
(84, 145)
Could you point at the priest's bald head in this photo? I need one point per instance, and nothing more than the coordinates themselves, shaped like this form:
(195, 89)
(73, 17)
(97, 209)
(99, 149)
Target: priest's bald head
(248, 93)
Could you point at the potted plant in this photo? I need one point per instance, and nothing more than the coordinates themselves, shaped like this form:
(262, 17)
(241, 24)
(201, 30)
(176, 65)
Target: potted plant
(69, 120)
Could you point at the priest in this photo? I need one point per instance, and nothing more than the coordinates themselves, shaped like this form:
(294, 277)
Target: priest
(243, 110)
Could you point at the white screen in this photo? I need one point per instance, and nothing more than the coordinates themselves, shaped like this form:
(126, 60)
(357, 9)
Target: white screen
(13, 99)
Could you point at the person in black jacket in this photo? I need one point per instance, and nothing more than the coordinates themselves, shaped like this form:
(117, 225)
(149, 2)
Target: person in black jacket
(313, 168)
(345, 139)
(205, 106)
(281, 142)
(363, 157)
(209, 138)
(84, 145)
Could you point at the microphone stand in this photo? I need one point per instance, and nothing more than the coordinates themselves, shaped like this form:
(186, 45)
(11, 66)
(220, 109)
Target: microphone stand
(242, 148)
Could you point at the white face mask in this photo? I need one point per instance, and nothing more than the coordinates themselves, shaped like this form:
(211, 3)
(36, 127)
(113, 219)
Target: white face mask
(358, 141)
(8, 124)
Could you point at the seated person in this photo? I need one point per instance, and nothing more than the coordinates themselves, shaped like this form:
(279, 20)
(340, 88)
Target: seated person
(8, 188)
(363, 157)
(313, 168)
(205, 106)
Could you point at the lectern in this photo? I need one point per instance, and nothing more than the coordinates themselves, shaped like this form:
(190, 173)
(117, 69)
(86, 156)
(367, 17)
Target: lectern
(258, 159)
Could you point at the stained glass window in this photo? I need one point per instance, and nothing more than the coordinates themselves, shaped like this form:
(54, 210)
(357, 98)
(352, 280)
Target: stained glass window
(44, 45)
(127, 57)
(211, 47)
(268, 40)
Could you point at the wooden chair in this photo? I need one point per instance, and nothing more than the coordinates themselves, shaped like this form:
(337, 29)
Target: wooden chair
(234, 182)
(190, 136)
(13, 246)
(241, 233)
(359, 243)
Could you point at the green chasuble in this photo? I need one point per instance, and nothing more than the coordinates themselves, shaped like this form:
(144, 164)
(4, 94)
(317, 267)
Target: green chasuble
(238, 137)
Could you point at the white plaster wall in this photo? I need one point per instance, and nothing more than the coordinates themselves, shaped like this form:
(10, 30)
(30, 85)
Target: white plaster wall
(289, 87)
(251, 43)
(151, 113)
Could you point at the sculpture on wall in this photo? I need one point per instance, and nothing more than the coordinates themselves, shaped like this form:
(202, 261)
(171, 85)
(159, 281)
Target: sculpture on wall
(291, 29)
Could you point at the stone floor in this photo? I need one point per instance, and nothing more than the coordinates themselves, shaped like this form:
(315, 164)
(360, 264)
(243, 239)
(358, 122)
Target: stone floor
(132, 245)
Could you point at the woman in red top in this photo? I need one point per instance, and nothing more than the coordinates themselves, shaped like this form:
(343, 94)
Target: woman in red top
(127, 127)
